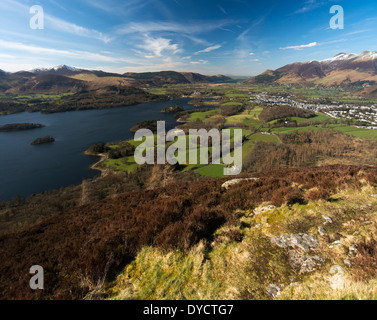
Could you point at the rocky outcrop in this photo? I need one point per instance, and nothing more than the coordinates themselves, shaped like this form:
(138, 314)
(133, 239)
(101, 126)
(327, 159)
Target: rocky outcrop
(233, 182)
(297, 260)
(264, 209)
(273, 291)
(301, 241)
(303, 263)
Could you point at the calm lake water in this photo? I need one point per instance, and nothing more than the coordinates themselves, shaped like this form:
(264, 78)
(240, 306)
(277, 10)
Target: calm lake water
(26, 169)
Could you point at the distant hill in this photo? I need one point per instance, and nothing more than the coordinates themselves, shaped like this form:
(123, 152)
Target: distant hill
(197, 77)
(342, 69)
(66, 79)
(13, 80)
(49, 83)
(62, 70)
(158, 78)
(173, 77)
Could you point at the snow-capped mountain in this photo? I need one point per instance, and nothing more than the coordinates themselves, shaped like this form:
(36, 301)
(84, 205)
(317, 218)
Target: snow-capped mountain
(340, 69)
(366, 61)
(365, 55)
(58, 70)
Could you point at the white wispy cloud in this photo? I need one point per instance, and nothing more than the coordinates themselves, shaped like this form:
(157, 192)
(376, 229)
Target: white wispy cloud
(7, 56)
(199, 62)
(310, 5)
(57, 23)
(43, 51)
(194, 27)
(241, 53)
(128, 7)
(192, 30)
(209, 49)
(356, 32)
(158, 45)
(68, 27)
(222, 9)
(242, 37)
(196, 39)
(301, 47)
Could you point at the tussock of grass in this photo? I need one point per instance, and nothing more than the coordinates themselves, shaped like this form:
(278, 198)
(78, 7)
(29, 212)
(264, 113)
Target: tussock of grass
(317, 287)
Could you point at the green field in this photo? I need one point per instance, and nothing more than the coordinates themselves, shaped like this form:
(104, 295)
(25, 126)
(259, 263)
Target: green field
(356, 132)
(212, 170)
(124, 164)
(247, 117)
(232, 104)
(238, 95)
(284, 130)
(202, 115)
(320, 117)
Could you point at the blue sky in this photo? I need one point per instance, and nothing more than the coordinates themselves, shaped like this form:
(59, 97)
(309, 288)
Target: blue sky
(236, 37)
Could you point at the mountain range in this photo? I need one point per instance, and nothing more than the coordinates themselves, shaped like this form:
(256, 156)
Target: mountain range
(342, 69)
(66, 79)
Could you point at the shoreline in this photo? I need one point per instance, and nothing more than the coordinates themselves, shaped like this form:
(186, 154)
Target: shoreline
(9, 112)
(98, 165)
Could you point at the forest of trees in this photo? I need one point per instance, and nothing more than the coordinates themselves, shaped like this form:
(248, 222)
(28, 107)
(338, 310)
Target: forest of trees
(172, 109)
(104, 98)
(125, 150)
(278, 112)
(19, 127)
(43, 140)
(149, 125)
(231, 110)
(310, 148)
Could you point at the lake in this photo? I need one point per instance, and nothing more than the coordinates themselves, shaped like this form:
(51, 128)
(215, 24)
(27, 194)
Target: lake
(26, 169)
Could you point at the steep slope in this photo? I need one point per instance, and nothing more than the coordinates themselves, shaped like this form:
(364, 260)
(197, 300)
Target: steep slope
(13, 80)
(51, 84)
(343, 68)
(303, 71)
(81, 248)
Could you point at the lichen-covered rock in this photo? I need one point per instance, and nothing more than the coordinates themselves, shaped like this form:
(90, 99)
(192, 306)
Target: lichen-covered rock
(230, 183)
(302, 241)
(303, 263)
(264, 209)
(328, 220)
(273, 291)
(322, 231)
